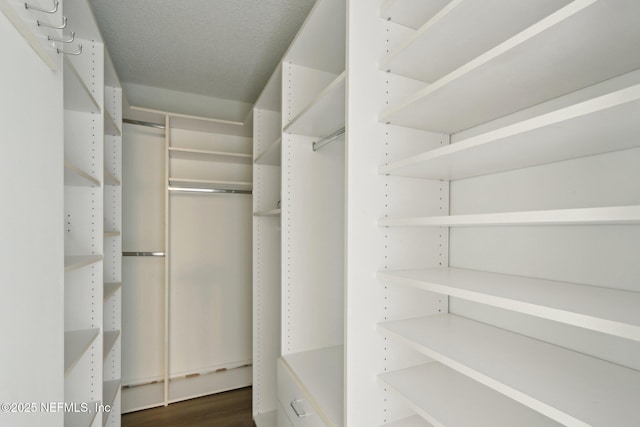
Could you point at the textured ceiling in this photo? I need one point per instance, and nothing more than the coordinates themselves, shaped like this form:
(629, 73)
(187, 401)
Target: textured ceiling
(219, 48)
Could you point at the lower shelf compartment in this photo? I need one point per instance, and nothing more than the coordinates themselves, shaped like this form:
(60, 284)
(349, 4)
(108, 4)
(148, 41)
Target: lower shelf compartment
(446, 398)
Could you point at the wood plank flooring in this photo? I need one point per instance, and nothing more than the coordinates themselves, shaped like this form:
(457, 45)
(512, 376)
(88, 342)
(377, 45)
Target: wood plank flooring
(228, 409)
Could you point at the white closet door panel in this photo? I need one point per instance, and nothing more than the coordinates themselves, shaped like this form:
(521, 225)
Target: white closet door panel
(210, 295)
(143, 188)
(142, 319)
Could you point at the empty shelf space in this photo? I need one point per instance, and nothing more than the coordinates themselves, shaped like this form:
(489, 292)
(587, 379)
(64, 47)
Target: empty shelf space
(460, 32)
(79, 418)
(76, 177)
(611, 311)
(321, 373)
(445, 397)
(569, 387)
(75, 262)
(582, 216)
(602, 124)
(110, 125)
(110, 179)
(110, 289)
(77, 96)
(204, 184)
(76, 343)
(271, 156)
(110, 339)
(324, 115)
(272, 212)
(211, 156)
(109, 392)
(411, 13)
(111, 233)
(515, 74)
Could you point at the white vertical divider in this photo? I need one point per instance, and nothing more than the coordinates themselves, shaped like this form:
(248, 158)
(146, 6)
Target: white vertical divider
(167, 259)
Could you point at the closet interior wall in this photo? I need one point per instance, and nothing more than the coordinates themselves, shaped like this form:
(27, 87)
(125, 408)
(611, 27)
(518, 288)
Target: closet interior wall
(198, 334)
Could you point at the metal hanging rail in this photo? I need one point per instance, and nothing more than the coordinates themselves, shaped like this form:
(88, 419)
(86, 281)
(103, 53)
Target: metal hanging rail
(209, 190)
(328, 139)
(143, 123)
(158, 254)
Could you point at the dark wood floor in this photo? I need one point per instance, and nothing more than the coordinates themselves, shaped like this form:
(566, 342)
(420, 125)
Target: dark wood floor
(228, 409)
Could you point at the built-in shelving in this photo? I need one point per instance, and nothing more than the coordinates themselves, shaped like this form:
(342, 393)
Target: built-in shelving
(212, 156)
(110, 179)
(110, 289)
(182, 183)
(571, 303)
(111, 233)
(412, 421)
(76, 344)
(80, 418)
(602, 124)
(411, 13)
(110, 126)
(110, 338)
(461, 31)
(567, 386)
(321, 373)
(581, 216)
(324, 115)
(77, 96)
(75, 262)
(272, 212)
(271, 155)
(445, 397)
(199, 123)
(109, 392)
(515, 74)
(76, 177)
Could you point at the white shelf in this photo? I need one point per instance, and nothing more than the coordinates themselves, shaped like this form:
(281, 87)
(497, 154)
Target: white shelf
(81, 419)
(272, 212)
(206, 184)
(110, 179)
(110, 126)
(460, 32)
(324, 115)
(569, 387)
(109, 392)
(411, 13)
(445, 397)
(76, 343)
(582, 216)
(198, 123)
(271, 156)
(110, 338)
(516, 74)
(111, 233)
(76, 177)
(611, 311)
(602, 124)
(321, 373)
(211, 156)
(412, 421)
(110, 289)
(77, 96)
(75, 262)
(266, 419)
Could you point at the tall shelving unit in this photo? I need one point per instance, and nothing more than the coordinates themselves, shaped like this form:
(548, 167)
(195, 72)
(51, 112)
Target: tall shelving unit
(492, 275)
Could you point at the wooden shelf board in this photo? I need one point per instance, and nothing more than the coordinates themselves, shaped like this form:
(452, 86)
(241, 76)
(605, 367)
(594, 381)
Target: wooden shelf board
(272, 212)
(78, 261)
(110, 339)
(76, 343)
(602, 124)
(582, 216)
(570, 303)
(568, 387)
(211, 156)
(110, 179)
(77, 96)
(110, 125)
(460, 32)
(515, 74)
(321, 373)
(271, 156)
(76, 177)
(204, 183)
(110, 289)
(81, 419)
(411, 13)
(445, 397)
(324, 115)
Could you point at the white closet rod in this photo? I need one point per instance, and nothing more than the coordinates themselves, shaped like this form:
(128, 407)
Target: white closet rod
(326, 140)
